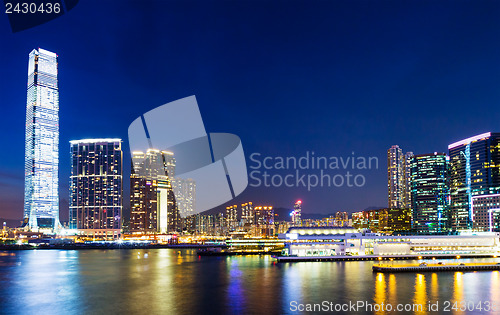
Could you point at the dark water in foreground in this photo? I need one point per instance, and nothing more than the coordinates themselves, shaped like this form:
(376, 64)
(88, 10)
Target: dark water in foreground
(168, 281)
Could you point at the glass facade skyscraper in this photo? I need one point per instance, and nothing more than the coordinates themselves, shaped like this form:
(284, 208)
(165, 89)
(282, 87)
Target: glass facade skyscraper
(41, 195)
(96, 184)
(430, 192)
(474, 171)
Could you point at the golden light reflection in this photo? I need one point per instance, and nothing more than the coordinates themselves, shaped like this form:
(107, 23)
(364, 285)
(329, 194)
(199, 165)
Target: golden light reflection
(458, 289)
(161, 283)
(434, 286)
(180, 258)
(495, 289)
(380, 294)
(420, 298)
(392, 289)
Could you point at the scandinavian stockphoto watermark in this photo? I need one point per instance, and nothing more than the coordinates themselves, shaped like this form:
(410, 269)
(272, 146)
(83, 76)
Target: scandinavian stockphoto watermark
(310, 170)
(447, 306)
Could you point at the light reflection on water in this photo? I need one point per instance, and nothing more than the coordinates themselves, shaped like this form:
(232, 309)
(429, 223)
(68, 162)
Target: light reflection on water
(167, 281)
(458, 288)
(380, 291)
(420, 294)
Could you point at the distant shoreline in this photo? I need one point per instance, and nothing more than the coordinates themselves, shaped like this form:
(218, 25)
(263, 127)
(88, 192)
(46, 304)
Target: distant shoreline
(15, 247)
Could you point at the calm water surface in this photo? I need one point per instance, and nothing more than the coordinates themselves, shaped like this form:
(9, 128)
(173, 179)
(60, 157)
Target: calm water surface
(168, 281)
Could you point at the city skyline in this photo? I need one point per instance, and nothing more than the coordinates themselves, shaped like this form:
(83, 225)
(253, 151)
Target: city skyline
(398, 162)
(250, 157)
(422, 183)
(421, 84)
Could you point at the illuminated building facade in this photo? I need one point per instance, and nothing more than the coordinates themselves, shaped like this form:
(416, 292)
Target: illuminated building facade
(341, 219)
(96, 184)
(219, 224)
(41, 195)
(327, 242)
(395, 174)
(231, 218)
(189, 224)
(264, 221)
(486, 213)
(152, 201)
(281, 226)
(430, 192)
(185, 195)
(398, 177)
(386, 220)
(407, 180)
(247, 215)
(399, 220)
(297, 214)
(474, 171)
(205, 224)
(359, 220)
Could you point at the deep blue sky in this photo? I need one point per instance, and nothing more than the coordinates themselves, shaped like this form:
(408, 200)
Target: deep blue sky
(331, 77)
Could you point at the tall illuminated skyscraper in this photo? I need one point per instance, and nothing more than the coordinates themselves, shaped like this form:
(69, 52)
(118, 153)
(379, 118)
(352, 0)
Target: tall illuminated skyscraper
(395, 175)
(398, 176)
(96, 185)
(41, 184)
(430, 192)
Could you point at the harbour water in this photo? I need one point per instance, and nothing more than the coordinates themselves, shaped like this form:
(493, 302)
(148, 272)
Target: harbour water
(171, 281)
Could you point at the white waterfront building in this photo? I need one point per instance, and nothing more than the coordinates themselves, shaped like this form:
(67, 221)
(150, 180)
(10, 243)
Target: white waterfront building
(328, 242)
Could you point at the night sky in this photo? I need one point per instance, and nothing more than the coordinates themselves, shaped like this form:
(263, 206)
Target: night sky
(333, 77)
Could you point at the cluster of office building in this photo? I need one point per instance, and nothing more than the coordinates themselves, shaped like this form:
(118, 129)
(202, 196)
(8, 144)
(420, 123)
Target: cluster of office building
(96, 180)
(160, 201)
(439, 193)
(455, 192)
(438, 205)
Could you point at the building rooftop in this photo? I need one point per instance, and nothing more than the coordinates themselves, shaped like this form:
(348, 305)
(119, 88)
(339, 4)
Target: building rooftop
(95, 140)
